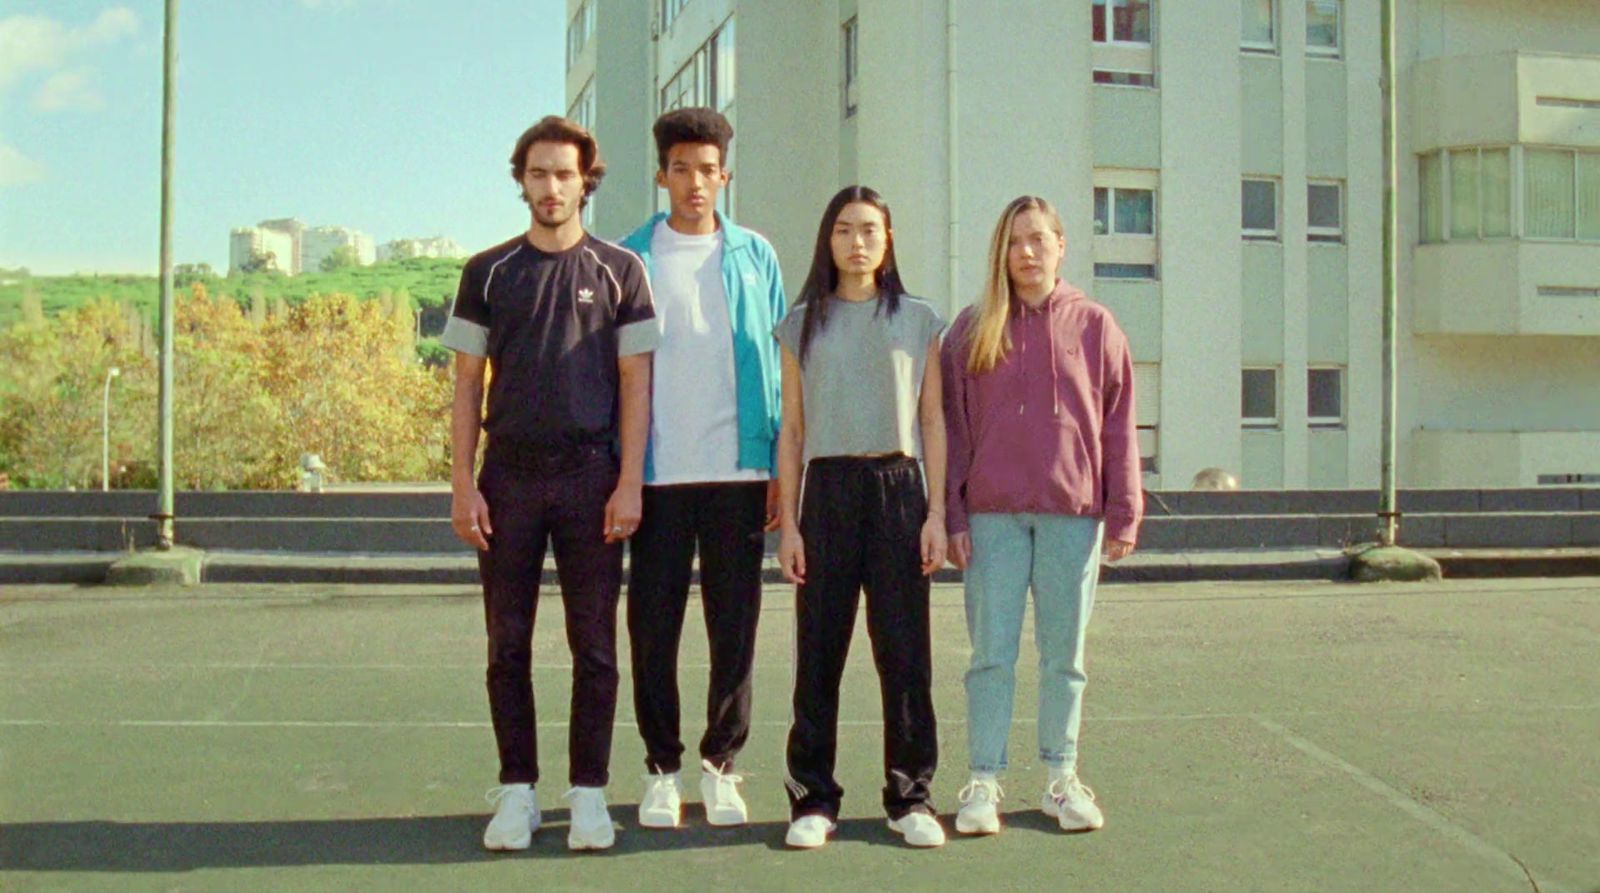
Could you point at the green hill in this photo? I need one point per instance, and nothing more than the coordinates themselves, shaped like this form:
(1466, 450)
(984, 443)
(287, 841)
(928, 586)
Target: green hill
(431, 283)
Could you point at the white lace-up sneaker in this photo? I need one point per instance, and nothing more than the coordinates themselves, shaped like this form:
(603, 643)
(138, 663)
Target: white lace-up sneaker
(1072, 803)
(809, 832)
(980, 806)
(662, 803)
(591, 824)
(719, 791)
(516, 817)
(919, 829)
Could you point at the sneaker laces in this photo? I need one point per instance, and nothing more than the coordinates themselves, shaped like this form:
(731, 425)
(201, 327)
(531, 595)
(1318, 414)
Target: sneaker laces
(722, 778)
(988, 787)
(1064, 787)
(656, 781)
(496, 794)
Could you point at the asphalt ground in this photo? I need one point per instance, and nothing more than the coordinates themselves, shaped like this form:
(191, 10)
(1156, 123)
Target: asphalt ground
(1240, 736)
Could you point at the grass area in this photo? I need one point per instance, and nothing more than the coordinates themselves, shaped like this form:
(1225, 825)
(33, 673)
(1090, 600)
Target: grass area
(431, 283)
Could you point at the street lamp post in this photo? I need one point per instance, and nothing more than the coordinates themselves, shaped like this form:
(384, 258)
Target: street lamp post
(105, 430)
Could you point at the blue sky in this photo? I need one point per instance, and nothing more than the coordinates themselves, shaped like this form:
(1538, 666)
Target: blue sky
(395, 117)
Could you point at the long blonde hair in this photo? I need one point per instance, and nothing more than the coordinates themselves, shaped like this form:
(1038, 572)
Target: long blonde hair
(988, 341)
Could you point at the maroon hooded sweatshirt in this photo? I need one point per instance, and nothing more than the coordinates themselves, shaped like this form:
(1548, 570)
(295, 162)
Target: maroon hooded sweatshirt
(1051, 428)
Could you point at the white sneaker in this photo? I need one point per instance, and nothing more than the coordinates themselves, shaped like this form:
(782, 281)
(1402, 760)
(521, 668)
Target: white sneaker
(809, 832)
(720, 792)
(980, 806)
(919, 829)
(591, 824)
(662, 803)
(516, 817)
(1072, 803)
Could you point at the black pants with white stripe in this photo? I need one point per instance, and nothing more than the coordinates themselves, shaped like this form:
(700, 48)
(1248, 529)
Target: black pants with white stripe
(724, 520)
(861, 520)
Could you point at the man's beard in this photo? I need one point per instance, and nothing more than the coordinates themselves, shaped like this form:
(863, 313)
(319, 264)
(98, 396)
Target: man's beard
(564, 215)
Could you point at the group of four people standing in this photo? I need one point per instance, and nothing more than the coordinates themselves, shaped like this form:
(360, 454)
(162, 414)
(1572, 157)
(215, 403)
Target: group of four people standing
(662, 390)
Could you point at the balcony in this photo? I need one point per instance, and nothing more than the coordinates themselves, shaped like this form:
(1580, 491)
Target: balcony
(1507, 287)
(1506, 98)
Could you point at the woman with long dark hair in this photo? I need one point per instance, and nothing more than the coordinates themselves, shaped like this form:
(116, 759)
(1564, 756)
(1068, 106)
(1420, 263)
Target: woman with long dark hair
(861, 405)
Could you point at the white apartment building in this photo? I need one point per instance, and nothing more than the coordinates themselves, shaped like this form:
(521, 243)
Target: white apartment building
(435, 246)
(1218, 166)
(319, 243)
(246, 242)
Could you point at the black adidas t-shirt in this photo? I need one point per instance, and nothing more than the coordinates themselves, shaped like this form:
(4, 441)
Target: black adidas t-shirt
(552, 326)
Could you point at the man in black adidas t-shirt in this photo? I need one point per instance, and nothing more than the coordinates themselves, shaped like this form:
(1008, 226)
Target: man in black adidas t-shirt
(567, 324)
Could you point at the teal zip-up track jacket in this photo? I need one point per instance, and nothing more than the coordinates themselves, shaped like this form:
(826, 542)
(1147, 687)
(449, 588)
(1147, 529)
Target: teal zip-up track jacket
(753, 284)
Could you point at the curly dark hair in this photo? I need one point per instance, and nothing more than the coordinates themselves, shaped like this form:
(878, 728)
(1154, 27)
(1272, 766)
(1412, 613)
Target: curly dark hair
(698, 125)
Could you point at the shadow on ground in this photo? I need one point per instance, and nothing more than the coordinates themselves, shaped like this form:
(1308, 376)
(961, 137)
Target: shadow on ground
(422, 840)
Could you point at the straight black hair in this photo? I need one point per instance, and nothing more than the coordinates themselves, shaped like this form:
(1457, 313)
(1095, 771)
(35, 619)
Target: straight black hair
(822, 280)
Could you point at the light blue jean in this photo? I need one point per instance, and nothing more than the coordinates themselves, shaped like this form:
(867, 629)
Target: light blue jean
(1058, 556)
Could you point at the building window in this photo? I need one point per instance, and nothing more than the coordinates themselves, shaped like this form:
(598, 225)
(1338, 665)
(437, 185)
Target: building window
(1125, 244)
(1124, 212)
(707, 79)
(1325, 397)
(1123, 42)
(1147, 405)
(1259, 209)
(1323, 27)
(1430, 173)
(582, 110)
(669, 10)
(1125, 78)
(1325, 211)
(851, 59)
(1122, 21)
(1259, 397)
(1480, 193)
(1469, 194)
(1258, 32)
(1125, 271)
(579, 30)
(1561, 194)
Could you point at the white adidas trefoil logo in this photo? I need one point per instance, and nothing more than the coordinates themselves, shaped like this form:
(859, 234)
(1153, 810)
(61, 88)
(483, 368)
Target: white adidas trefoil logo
(585, 296)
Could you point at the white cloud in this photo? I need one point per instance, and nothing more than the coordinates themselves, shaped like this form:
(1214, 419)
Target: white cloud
(17, 168)
(37, 44)
(70, 89)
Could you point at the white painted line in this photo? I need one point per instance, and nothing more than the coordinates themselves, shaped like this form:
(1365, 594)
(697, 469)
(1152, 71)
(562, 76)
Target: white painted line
(1450, 830)
(629, 721)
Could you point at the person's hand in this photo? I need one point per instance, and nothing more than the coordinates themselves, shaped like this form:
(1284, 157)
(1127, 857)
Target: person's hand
(934, 545)
(792, 555)
(961, 549)
(772, 507)
(1116, 550)
(623, 511)
(469, 518)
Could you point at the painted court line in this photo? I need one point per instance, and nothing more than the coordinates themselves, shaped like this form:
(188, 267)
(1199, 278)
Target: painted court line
(1448, 829)
(628, 720)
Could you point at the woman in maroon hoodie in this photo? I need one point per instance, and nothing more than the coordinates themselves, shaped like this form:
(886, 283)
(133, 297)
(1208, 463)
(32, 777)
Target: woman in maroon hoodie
(1043, 475)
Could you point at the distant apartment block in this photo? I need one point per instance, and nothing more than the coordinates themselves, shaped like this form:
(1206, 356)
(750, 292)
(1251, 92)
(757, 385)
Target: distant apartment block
(246, 243)
(320, 243)
(294, 247)
(437, 246)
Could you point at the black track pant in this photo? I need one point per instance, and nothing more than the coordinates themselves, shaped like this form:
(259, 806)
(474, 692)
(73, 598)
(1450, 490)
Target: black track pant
(725, 521)
(861, 520)
(562, 502)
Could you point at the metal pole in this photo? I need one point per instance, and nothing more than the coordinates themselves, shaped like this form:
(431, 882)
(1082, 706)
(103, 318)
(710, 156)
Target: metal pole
(169, 73)
(105, 430)
(1389, 509)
